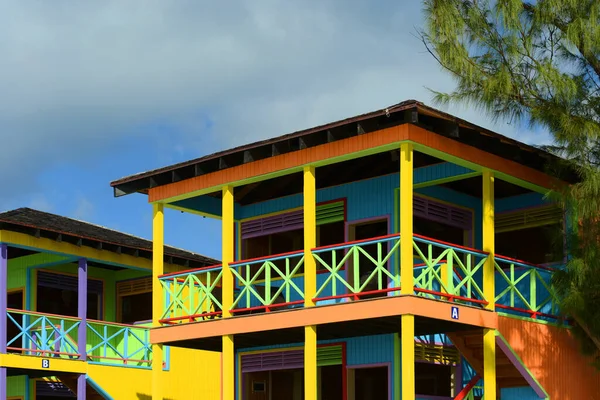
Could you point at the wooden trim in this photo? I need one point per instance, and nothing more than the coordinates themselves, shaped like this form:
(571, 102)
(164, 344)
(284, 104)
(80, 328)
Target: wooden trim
(329, 153)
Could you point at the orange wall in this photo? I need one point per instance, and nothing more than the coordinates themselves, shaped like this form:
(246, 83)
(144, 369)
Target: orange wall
(553, 356)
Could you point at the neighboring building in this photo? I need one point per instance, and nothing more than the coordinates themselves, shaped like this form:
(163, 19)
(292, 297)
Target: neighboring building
(77, 305)
(375, 257)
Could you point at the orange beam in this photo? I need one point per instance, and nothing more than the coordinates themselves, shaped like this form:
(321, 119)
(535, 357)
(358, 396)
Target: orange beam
(351, 311)
(351, 145)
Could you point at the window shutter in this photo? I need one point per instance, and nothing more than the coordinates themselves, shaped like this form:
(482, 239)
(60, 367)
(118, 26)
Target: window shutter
(134, 286)
(272, 361)
(326, 213)
(444, 213)
(331, 212)
(528, 218)
(436, 353)
(67, 282)
(329, 355)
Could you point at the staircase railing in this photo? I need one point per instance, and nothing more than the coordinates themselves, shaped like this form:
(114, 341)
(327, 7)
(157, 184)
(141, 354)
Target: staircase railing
(468, 392)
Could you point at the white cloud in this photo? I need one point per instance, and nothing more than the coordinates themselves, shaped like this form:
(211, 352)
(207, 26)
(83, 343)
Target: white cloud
(77, 77)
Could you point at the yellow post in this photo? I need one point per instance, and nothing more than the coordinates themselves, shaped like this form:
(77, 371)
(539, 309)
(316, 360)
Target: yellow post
(489, 335)
(406, 219)
(407, 339)
(488, 237)
(310, 235)
(310, 282)
(158, 244)
(489, 364)
(228, 254)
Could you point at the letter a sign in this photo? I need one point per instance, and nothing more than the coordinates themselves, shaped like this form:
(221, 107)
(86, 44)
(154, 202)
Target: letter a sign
(454, 313)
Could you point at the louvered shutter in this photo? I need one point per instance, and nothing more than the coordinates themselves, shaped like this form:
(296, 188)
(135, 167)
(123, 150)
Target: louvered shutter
(329, 355)
(444, 213)
(67, 282)
(270, 361)
(528, 218)
(326, 213)
(134, 286)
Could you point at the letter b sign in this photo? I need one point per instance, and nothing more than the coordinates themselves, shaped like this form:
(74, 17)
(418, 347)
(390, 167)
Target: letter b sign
(45, 363)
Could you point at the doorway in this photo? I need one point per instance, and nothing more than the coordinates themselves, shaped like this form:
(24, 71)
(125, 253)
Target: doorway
(371, 383)
(14, 301)
(362, 231)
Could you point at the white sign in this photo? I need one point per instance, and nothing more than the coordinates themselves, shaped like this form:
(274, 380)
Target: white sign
(454, 313)
(45, 363)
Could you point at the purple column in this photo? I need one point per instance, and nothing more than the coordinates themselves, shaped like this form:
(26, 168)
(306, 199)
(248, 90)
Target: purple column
(81, 387)
(82, 308)
(3, 297)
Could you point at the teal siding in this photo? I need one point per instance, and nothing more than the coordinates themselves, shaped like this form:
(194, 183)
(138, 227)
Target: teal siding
(520, 393)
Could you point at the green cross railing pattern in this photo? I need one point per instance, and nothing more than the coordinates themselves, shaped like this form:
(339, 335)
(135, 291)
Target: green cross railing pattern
(118, 344)
(352, 272)
(361, 270)
(525, 289)
(192, 295)
(449, 272)
(267, 283)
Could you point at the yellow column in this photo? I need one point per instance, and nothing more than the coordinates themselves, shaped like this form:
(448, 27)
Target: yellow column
(406, 219)
(407, 334)
(228, 253)
(489, 335)
(310, 282)
(488, 237)
(158, 244)
(407, 339)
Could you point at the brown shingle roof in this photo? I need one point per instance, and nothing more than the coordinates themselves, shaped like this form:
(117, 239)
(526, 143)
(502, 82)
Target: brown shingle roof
(45, 224)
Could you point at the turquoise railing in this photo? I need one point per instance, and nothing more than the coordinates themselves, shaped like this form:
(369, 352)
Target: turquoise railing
(118, 344)
(49, 335)
(192, 295)
(268, 283)
(346, 277)
(42, 334)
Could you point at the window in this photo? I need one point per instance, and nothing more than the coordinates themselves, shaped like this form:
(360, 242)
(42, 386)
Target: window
(539, 245)
(433, 379)
(136, 308)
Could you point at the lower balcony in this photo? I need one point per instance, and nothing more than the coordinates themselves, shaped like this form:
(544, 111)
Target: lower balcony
(60, 337)
(446, 278)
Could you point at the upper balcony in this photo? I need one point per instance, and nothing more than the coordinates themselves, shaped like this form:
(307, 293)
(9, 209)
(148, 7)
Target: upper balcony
(358, 270)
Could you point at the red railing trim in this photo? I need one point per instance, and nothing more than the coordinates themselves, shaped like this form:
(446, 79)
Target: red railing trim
(26, 312)
(374, 239)
(189, 271)
(458, 246)
(525, 263)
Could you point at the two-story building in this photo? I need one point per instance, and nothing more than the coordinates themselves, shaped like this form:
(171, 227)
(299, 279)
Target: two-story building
(399, 254)
(76, 307)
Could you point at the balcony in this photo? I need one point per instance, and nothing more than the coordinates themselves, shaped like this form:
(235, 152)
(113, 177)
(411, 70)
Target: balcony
(361, 270)
(107, 343)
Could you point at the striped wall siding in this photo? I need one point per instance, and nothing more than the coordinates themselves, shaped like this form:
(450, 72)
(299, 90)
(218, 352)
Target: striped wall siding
(15, 386)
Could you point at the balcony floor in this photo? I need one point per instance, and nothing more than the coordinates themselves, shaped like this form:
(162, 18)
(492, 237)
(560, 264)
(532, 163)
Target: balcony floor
(357, 318)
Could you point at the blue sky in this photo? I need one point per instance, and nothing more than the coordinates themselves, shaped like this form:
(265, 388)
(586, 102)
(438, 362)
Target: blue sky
(94, 91)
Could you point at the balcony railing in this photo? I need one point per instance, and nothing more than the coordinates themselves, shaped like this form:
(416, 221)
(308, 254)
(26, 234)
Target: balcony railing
(360, 270)
(38, 334)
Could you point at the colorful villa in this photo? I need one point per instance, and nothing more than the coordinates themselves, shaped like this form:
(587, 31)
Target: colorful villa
(400, 254)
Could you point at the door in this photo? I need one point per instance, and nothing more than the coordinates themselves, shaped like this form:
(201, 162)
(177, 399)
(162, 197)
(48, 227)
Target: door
(365, 267)
(371, 383)
(14, 301)
(257, 385)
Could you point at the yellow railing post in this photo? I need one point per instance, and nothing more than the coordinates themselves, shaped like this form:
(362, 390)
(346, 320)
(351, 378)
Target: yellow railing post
(489, 335)
(228, 359)
(310, 281)
(158, 243)
(407, 334)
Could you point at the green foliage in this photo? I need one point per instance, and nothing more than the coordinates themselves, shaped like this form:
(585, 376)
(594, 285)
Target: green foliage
(538, 62)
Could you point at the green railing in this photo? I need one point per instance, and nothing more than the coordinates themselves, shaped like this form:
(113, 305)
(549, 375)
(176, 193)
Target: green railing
(525, 289)
(192, 295)
(350, 271)
(118, 344)
(268, 283)
(448, 272)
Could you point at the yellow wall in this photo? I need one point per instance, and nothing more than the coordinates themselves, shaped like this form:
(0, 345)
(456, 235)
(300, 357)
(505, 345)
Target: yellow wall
(193, 374)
